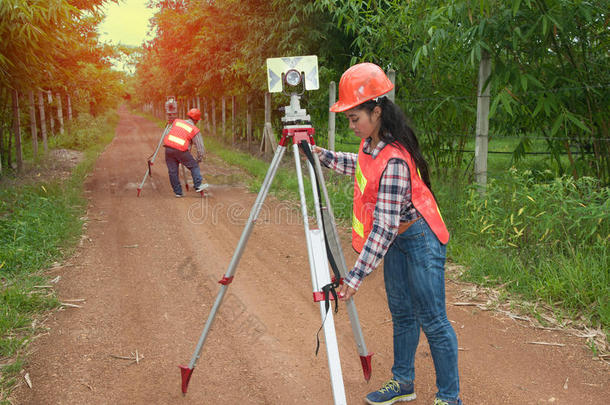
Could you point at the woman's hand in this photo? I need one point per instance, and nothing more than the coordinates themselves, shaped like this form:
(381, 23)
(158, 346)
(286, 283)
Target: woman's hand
(346, 292)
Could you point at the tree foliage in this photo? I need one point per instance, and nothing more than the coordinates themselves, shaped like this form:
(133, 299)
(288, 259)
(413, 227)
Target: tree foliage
(220, 48)
(550, 74)
(52, 44)
(549, 80)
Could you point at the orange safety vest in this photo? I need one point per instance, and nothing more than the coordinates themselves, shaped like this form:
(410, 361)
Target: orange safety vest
(366, 186)
(180, 135)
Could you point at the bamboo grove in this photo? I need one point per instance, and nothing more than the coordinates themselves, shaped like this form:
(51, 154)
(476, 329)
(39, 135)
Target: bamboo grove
(549, 82)
(52, 48)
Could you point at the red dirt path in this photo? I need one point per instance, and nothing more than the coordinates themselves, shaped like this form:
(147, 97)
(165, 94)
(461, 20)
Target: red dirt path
(148, 270)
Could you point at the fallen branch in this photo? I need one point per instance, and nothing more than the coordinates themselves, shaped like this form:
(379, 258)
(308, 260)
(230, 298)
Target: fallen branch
(65, 304)
(546, 344)
(26, 377)
(465, 304)
(134, 358)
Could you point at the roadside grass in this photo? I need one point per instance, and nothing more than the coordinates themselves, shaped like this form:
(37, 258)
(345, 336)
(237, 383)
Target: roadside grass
(40, 224)
(543, 239)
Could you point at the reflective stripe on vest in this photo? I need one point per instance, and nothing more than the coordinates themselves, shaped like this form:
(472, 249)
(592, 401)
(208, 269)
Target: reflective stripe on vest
(366, 186)
(175, 139)
(357, 226)
(184, 126)
(360, 179)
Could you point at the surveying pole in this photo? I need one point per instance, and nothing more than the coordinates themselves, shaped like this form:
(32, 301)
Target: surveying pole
(321, 238)
(151, 159)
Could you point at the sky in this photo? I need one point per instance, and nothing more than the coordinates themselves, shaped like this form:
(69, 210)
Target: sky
(125, 23)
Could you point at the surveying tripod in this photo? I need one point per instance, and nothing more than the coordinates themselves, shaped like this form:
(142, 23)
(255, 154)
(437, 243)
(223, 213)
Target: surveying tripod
(151, 159)
(323, 246)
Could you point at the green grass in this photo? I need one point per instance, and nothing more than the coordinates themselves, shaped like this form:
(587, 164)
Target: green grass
(546, 240)
(39, 225)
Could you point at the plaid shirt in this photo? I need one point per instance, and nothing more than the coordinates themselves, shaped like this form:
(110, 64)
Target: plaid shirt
(393, 206)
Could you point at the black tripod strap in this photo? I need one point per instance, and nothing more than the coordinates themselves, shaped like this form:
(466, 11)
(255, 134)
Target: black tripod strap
(329, 288)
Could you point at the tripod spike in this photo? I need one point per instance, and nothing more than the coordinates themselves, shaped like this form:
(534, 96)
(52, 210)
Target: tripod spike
(366, 366)
(185, 373)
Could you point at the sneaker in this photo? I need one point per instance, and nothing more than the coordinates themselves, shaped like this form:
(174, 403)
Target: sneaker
(438, 401)
(202, 187)
(391, 392)
(178, 195)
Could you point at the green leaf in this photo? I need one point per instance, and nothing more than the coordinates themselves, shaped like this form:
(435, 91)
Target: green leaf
(524, 82)
(506, 102)
(539, 106)
(516, 4)
(557, 124)
(577, 122)
(545, 25)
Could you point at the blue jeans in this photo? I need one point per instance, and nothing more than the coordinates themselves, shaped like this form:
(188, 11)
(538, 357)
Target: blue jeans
(173, 157)
(414, 277)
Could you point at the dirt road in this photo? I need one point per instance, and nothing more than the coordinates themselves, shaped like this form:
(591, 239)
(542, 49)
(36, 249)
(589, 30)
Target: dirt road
(146, 276)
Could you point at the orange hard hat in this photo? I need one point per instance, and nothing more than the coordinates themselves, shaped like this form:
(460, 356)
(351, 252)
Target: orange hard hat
(360, 83)
(194, 113)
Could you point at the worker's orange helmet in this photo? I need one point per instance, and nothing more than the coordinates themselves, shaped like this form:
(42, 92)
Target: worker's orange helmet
(360, 83)
(194, 113)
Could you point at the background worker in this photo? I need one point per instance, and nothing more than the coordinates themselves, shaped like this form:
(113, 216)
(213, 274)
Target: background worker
(395, 218)
(177, 143)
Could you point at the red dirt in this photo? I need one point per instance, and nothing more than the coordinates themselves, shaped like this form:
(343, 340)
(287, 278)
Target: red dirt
(148, 269)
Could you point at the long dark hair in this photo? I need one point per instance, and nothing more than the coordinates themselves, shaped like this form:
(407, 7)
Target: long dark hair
(394, 128)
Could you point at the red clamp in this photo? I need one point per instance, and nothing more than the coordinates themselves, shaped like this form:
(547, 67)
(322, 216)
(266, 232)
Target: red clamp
(226, 280)
(298, 135)
(319, 296)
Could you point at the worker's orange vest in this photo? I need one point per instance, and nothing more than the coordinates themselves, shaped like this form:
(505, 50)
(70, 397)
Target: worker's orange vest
(366, 187)
(180, 135)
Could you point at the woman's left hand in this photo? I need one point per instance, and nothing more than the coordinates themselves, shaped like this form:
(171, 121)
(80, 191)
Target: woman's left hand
(346, 292)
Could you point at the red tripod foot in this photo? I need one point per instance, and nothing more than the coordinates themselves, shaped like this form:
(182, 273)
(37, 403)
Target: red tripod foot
(139, 189)
(366, 366)
(185, 372)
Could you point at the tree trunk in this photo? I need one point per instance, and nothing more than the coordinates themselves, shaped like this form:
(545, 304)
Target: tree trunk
(17, 131)
(332, 98)
(233, 120)
(60, 114)
(51, 120)
(224, 117)
(248, 122)
(43, 122)
(214, 117)
(481, 139)
(69, 107)
(4, 100)
(33, 128)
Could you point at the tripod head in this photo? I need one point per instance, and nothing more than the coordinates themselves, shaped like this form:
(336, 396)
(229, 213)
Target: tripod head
(294, 114)
(171, 109)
